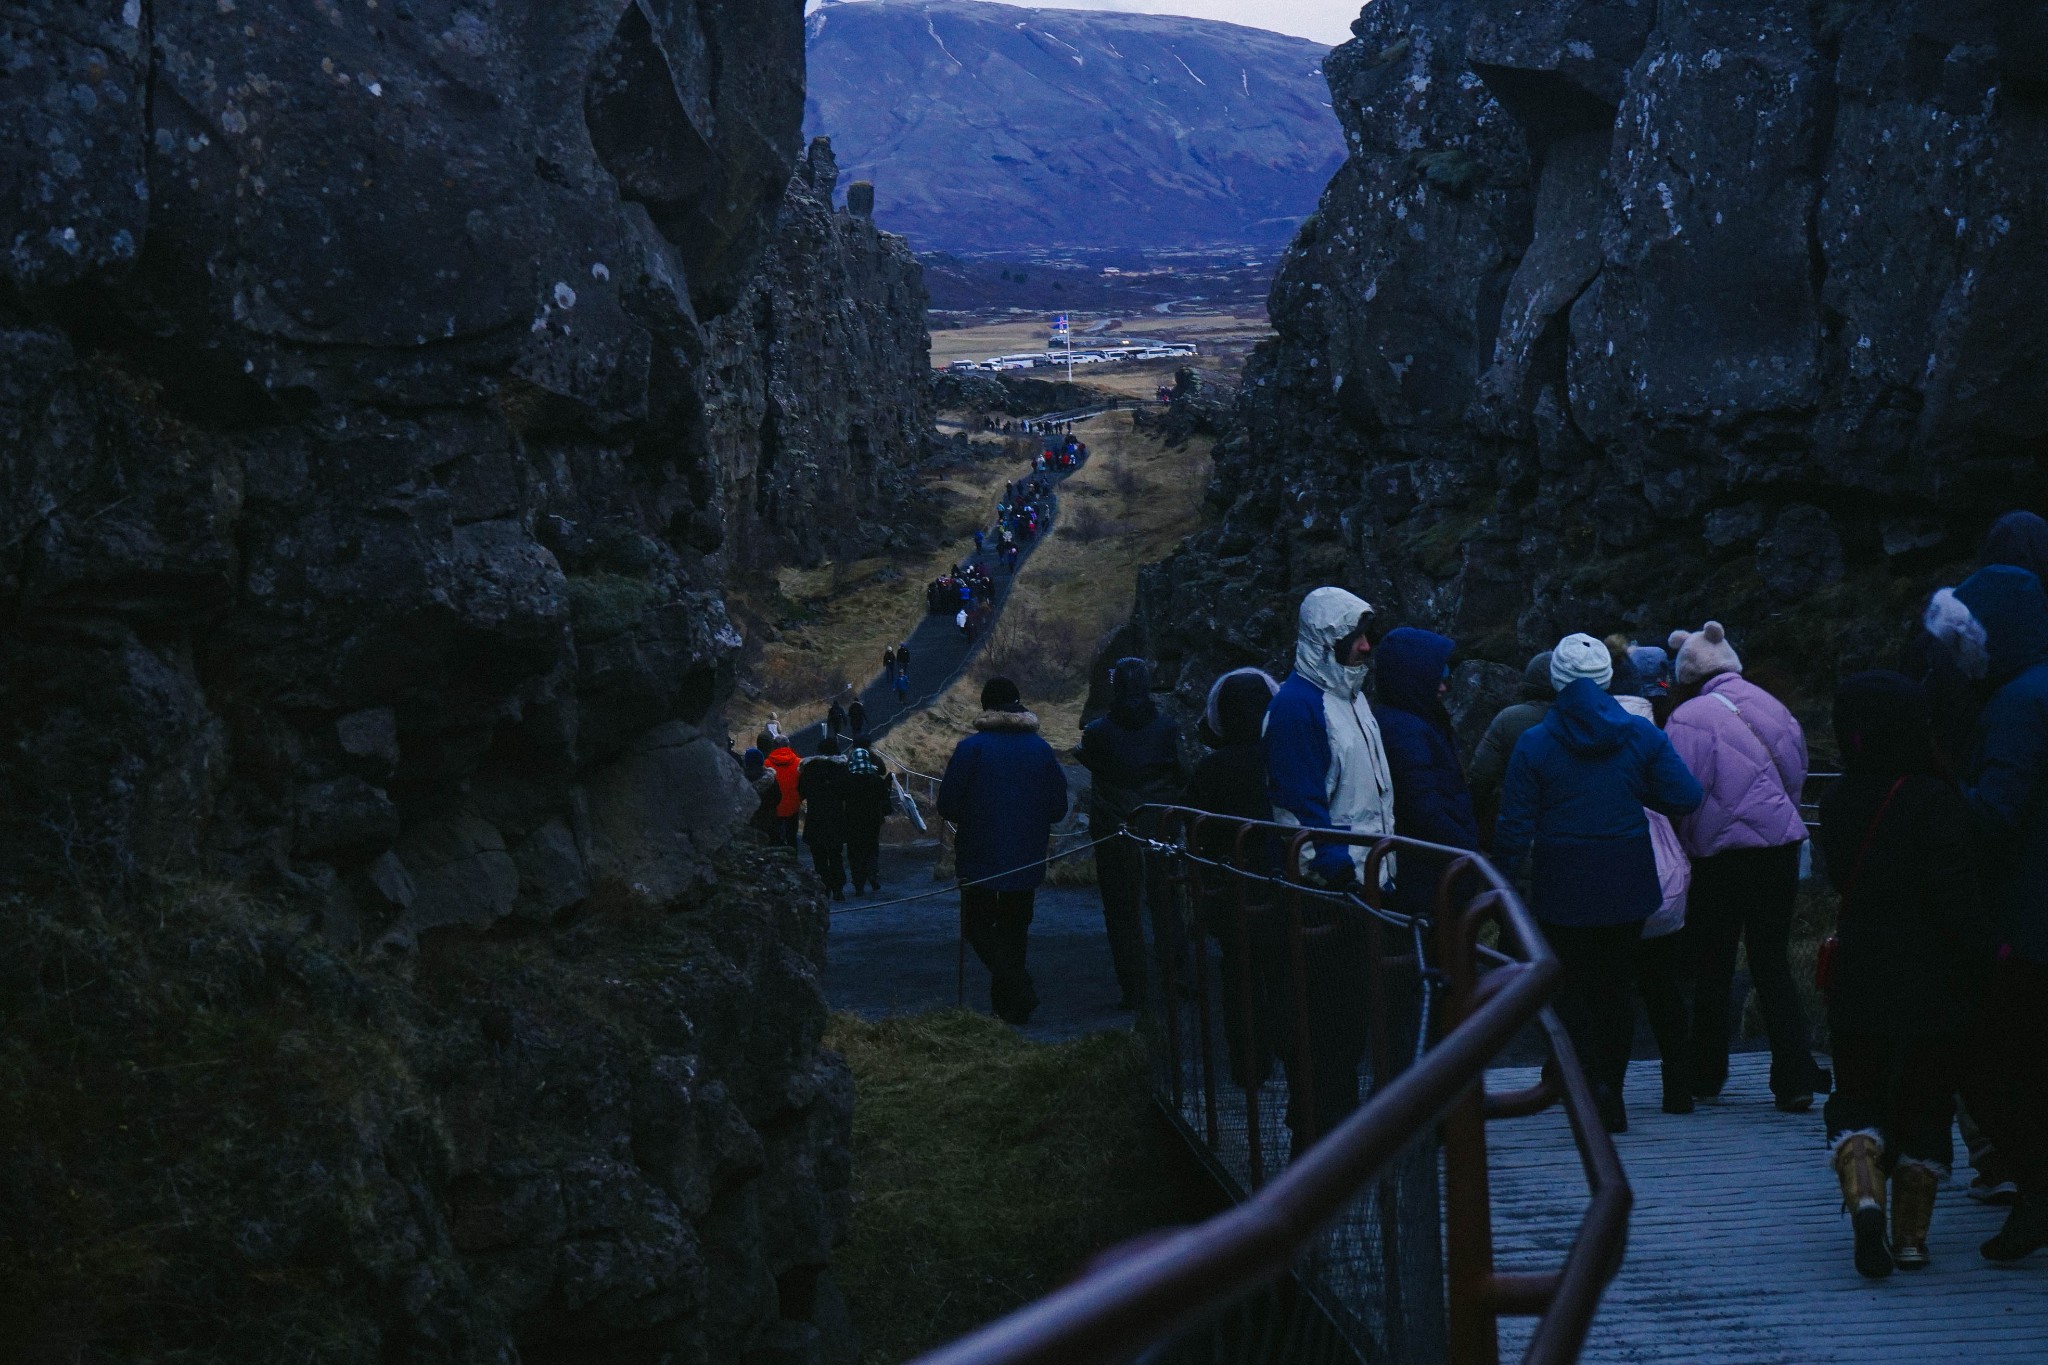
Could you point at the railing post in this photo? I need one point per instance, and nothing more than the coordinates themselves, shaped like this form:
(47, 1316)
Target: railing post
(1474, 1337)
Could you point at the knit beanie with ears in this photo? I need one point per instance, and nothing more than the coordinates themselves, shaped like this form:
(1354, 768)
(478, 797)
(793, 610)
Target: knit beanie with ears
(1700, 654)
(1580, 656)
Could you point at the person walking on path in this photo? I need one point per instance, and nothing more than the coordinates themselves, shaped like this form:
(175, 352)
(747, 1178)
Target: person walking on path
(1912, 951)
(978, 539)
(1490, 760)
(1326, 768)
(1576, 790)
(1003, 790)
(857, 717)
(1996, 622)
(1230, 780)
(1749, 755)
(1430, 799)
(1663, 952)
(903, 675)
(822, 784)
(1133, 755)
(783, 761)
(835, 718)
(867, 805)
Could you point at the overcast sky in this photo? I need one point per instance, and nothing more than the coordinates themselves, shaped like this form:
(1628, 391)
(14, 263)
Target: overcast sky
(1325, 21)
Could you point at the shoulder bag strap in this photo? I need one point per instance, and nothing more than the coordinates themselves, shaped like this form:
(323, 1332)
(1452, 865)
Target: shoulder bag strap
(1769, 752)
(1869, 838)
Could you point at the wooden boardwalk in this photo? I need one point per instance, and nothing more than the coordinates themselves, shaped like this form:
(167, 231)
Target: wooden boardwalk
(1738, 1250)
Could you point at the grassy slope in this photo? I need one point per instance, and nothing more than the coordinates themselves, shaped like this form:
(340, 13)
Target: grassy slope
(987, 1169)
(834, 621)
(1141, 498)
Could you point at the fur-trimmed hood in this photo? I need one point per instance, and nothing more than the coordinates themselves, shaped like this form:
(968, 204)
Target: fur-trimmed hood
(1025, 722)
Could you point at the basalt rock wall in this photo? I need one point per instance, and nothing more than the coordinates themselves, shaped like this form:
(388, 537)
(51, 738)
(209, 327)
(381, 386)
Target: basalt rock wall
(1620, 315)
(386, 394)
(820, 407)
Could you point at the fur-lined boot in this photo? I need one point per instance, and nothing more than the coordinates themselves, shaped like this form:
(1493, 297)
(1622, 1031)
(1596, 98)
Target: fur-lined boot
(1914, 1183)
(1855, 1163)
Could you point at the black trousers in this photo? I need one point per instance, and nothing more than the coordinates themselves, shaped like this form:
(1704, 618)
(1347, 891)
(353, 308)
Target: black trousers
(828, 859)
(1663, 967)
(997, 925)
(1120, 877)
(1744, 898)
(2009, 1068)
(1903, 1089)
(864, 854)
(786, 830)
(1337, 1005)
(1597, 1005)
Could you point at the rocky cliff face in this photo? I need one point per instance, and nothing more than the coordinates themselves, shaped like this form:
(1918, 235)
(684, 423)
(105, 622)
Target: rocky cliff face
(385, 394)
(1621, 315)
(821, 405)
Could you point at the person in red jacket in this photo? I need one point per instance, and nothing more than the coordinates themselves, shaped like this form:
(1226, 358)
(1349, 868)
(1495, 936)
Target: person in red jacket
(784, 763)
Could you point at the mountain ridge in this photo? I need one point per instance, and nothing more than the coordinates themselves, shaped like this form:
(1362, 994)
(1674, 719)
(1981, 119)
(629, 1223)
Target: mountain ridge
(989, 127)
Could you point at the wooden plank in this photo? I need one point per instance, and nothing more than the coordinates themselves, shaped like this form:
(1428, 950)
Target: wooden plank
(1738, 1250)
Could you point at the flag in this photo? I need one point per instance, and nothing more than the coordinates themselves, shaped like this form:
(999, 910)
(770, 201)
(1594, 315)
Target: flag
(1059, 325)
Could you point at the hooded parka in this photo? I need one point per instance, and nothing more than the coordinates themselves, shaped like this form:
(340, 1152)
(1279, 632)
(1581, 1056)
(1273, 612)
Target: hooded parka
(1326, 765)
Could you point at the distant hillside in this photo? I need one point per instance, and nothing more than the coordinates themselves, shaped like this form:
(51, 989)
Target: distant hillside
(989, 127)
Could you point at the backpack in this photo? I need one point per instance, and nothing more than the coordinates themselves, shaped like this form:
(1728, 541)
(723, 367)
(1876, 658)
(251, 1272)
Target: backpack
(861, 762)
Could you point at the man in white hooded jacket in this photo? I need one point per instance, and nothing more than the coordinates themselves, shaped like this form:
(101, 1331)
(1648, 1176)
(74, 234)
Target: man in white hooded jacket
(1325, 765)
(1327, 769)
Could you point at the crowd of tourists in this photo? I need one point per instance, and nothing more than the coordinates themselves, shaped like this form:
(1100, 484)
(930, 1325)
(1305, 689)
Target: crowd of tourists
(833, 803)
(1647, 797)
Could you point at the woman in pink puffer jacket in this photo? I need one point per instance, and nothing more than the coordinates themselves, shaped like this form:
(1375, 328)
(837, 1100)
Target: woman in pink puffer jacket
(1750, 755)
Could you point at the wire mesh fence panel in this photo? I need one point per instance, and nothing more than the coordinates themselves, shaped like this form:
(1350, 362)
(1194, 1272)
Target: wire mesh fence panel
(1271, 1017)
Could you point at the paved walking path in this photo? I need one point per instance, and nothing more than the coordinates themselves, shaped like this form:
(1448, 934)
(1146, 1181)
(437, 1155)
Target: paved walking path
(904, 959)
(938, 649)
(1738, 1250)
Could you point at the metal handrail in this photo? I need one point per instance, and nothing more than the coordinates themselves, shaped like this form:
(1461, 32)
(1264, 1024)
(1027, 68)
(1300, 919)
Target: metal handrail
(1161, 1284)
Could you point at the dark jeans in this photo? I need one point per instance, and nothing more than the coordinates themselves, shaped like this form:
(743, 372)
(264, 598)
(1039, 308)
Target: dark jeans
(864, 855)
(828, 859)
(1597, 1004)
(1663, 967)
(2009, 1093)
(1337, 1007)
(1903, 1090)
(1120, 877)
(1744, 897)
(997, 925)
(785, 830)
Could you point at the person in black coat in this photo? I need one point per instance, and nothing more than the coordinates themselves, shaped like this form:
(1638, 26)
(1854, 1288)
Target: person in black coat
(822, 784)
(1230, 780)
(1133, 756)
(1431, 802)
(867, 806)
(835, 719)
(857, 718)
(1914, 944)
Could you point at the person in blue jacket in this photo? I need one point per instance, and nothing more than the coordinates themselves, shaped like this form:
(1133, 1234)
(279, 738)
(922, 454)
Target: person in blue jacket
(1576, 787)
(1003, 789)
(1326, 768)
(1996, 622)
(1431, 802)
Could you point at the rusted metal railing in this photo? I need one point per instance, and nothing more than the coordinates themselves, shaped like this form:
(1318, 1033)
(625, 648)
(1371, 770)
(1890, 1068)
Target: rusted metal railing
(1241, 883)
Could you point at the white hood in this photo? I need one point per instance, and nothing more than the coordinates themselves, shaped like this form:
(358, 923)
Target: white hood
(1327, 616)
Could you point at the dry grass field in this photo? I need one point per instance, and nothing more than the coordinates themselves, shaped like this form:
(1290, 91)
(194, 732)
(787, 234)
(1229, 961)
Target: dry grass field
(1129, 506)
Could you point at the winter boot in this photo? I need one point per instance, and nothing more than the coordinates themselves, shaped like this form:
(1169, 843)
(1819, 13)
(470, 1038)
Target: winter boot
(1863, 1196)
(2025, 1231)
(1913, 1187)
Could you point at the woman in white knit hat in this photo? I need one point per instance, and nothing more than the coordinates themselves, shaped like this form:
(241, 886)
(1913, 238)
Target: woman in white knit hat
(1577, 786)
